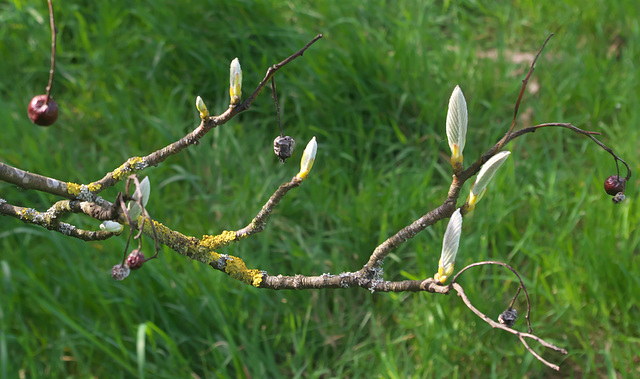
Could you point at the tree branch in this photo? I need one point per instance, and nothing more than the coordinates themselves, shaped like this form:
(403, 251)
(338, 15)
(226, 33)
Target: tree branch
(458, 288)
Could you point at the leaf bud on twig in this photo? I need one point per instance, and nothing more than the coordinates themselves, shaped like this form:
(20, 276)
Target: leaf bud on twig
(202, 108)
(235, 81)
(450, 244)
(485, 175)
(457, 127)
(308, 157)
(145, 189)
(111, 226)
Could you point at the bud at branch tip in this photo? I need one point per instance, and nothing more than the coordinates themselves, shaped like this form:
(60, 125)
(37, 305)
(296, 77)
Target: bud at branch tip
(308, 157)
(235, 81)
(457, 118)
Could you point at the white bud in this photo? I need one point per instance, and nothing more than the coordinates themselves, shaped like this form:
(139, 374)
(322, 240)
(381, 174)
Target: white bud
(145, 189)
(450, 244)
(202, 108)
(308, 157)
(457, 126)
(235, 81)
(485, 175)
(111, 226)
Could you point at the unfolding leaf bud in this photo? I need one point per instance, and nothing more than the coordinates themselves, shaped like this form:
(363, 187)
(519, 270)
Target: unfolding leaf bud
(120, 272)
(457, 127)
(136, 259)
(308, 157)
(235, 81)
(145, 189)
(111, 226)
(487, 171)
(283, 147)
(450, 244)
(614, 184)
(202, 108)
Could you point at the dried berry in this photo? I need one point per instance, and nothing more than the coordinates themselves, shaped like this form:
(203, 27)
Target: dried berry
(614, 184)
(135, 260)
(508, 317)
(41, 111)
(283, 147)
(119, 272)
(618, 198)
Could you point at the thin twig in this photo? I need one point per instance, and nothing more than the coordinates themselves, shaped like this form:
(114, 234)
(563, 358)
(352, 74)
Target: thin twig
(524, 84)
(271, 71)
(275, 99)
(524, 288)
(54, 32)
(538, 357)
(458, 288)
(260, 221)
(590, 134)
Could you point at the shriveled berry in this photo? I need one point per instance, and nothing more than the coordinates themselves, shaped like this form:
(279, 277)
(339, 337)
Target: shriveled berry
(43, 112)
(614, 184)
(119, 272)
(135, 260)
(283, 147)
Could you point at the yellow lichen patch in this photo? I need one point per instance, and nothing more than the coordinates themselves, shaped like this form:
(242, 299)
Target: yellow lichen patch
(238, 270)
(73, 188)
(216, 242)
(26, 214)
(126, 168)
(257, 279)
(93, 187)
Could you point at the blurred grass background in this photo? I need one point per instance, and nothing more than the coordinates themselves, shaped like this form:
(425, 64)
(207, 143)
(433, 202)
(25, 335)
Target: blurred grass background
(374, 92)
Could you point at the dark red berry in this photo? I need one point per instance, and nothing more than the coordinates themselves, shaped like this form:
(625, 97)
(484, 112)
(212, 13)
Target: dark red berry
(43, 114)
(614, 184)
(135, 259)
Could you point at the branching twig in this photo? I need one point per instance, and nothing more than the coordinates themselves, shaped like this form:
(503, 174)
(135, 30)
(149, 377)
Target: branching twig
(525, 81)
(84, 199)
(271, 71)
(88, 192)
(49, 220)
(260, 221)
(524, 288)
(458, 288)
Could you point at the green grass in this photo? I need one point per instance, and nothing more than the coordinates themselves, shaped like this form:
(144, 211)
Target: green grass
(374, 92)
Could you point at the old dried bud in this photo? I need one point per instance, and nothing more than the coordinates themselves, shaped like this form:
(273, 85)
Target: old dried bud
(508, 317)
(119, 272)
(283, 147)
